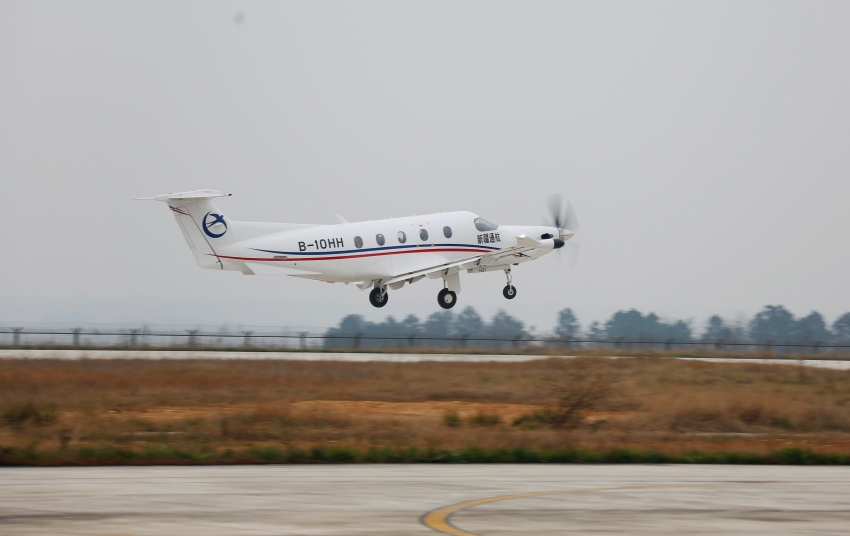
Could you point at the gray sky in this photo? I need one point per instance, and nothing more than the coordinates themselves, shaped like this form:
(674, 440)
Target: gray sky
(705, 146)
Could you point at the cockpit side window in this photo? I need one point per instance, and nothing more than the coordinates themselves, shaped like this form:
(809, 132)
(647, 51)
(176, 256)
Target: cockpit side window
(483, 225)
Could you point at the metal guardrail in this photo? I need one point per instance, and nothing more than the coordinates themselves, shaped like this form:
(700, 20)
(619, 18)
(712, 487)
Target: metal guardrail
(271, 338)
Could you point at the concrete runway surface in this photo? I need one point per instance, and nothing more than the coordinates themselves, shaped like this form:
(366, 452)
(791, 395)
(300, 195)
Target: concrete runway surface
(24, 353)
(425, 499)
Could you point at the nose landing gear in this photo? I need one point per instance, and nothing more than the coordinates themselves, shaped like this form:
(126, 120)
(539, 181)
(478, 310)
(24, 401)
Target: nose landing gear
(446, 298)
(379, 296)
(509, 291)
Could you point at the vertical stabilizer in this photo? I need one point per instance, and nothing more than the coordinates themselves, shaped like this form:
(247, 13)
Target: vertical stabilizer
(204, 226)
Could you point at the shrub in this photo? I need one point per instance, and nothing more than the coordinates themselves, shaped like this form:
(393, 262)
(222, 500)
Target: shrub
(485, 419)
(18, 414)
(573, 398)
(535, 419)
(782, 422)
(576, 397)
(451, 418)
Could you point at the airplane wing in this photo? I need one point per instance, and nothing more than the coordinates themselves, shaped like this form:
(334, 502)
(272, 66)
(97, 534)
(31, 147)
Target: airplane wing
(494, 258)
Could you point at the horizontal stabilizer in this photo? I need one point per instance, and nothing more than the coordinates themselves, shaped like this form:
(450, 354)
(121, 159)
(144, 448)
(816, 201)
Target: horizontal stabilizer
(194, 195)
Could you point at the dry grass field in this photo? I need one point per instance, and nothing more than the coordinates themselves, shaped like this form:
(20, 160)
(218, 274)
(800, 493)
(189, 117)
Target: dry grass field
(61, 411)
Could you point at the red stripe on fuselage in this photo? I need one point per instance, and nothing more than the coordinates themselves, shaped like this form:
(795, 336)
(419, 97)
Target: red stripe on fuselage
(339, 257)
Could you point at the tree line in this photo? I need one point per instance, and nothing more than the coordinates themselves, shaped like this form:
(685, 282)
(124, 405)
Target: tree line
(774, 324)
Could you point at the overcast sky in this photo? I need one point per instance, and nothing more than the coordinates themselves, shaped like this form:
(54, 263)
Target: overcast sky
(705, 146)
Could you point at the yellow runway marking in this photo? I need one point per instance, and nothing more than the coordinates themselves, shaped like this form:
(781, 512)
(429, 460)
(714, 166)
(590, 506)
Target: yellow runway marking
(439, 519)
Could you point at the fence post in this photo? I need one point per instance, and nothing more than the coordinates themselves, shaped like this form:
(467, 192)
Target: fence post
(192, 333)
(357, 338)
(77, 336)
(463, 340)
(411, 340)
(134, 337)
(247, 338)
(16, 336)
(668, 345)
(302, 336)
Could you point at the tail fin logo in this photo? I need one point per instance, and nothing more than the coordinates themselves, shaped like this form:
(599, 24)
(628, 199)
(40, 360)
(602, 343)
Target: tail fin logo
(214, 225)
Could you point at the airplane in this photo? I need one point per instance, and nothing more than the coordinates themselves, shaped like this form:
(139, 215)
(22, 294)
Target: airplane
(380, 254)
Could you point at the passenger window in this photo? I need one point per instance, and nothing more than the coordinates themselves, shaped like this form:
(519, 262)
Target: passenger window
(380, 239)
(423, 234)
(483, 225)
(358, 242)
(402, 238)
(447, 231)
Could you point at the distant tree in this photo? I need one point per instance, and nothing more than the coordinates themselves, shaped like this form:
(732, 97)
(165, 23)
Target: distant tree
(438, 325)
(568, 326)
(841, 329)
(345, 336)
(596, 331)
(410, 325)
(383, 335)
(678, 331)
(812, 329)
(469, 324)
(389, 325)
(634, 326)
(351, 324)
(504, 326)
(773, 323)
(627, 324)
(717, 330)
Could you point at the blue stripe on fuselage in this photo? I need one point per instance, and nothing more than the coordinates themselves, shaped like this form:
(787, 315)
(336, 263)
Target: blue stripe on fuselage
(386, 248)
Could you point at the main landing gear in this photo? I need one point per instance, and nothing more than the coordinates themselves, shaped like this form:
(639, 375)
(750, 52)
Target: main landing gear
(509, 291)
(446, 298)
(379, 296)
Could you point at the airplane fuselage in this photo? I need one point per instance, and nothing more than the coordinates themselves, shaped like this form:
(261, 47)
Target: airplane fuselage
(378, 249)
(379, 254)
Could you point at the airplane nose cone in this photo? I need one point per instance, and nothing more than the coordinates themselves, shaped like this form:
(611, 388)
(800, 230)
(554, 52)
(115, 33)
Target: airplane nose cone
(558, 243)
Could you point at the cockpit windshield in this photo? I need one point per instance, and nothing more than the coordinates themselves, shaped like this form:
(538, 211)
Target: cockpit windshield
(483, 225)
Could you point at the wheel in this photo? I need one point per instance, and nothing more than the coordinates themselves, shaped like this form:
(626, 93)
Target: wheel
(378, 298)
(509, 292)
(446, 298)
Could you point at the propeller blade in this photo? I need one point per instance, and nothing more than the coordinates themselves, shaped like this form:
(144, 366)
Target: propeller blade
(556, 215)
(571, 218)
(564, 217)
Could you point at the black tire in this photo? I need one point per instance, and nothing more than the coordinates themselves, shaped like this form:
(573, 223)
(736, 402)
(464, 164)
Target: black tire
(509, 292)
(446, 298)
(378, 298)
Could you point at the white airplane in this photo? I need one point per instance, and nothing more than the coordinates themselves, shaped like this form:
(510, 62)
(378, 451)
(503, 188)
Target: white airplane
(379, 254)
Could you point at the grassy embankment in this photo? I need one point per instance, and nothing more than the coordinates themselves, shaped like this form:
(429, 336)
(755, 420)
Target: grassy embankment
(580, 410)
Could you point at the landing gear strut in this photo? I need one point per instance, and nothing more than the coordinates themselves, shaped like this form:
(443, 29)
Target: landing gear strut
(509, 291)
(379, 297)
(446, 298)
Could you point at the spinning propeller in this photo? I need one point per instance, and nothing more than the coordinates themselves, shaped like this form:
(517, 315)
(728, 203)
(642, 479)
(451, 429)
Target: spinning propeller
(564, 217)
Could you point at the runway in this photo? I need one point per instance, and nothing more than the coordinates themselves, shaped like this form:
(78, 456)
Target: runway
(424, 499)
(25, 353)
